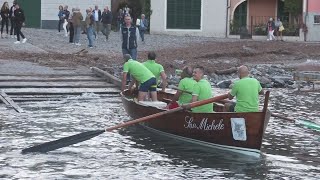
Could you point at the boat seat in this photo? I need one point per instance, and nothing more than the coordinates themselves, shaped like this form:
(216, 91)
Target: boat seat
(157, 104)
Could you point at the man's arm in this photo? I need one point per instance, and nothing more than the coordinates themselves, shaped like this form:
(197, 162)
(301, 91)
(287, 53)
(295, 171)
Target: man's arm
(261, 92)
(230, 96)
(176, 96)
(124, 81)
(194, 98)
(164, 80)
(133, 81)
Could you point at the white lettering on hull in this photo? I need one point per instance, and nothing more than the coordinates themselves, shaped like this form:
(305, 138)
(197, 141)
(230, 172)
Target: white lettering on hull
(204, 125)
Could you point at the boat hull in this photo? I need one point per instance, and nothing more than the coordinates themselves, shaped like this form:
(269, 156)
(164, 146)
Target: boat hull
(238, 132)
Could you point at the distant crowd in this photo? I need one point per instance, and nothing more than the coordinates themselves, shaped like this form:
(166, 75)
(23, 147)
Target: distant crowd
(274, 27)
(16, 16)
(97, 21)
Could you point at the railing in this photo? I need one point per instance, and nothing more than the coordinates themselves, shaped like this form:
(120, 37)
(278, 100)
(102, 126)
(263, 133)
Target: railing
(257, 25)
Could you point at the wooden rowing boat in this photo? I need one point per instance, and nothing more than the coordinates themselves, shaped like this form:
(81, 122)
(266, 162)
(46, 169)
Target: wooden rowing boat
(237, 132)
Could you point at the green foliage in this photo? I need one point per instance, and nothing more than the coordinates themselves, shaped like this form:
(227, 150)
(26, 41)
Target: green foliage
(294, 7)
(234, 27)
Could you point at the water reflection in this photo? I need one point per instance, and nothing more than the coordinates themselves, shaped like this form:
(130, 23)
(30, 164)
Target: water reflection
(289, 150)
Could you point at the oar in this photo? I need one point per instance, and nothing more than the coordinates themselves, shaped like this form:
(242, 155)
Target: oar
(63, 142)
(176, 88)
(305, 123)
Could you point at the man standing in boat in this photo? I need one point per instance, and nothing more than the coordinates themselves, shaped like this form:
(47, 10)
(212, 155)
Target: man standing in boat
(185, 88)
(201, 91)
(141, 75)
(247, 92)
(156, 69)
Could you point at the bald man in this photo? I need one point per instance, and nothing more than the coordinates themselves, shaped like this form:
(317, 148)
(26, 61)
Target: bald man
(247, 91)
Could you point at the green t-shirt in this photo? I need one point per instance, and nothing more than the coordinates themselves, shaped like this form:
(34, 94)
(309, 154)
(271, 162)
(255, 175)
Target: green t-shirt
(246, 91)
(155, 68)
(202, 89)
(186, 84)
(137, 70)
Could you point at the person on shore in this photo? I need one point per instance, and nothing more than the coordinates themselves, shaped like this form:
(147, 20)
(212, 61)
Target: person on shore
(119, 19)
(156, 69)
(106, 19)
(66, 18)
(141, 75)
(12, 21)
(71, 28)
(89, 25)
(129, 38)
(5, 18)
(279, 29)
(61, 17)
(76, 19)
(201, 91)
(270, 29)
(19, 20)
(185, 88)
(247, 91)
(142, 26)
(97, 19)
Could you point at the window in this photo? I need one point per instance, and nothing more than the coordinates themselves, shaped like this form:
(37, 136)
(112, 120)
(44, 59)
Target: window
(183, 14)
(316, 19)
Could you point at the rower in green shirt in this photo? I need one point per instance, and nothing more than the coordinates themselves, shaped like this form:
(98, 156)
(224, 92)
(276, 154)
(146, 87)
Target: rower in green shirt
(156, 69)
(246, 91)
(185, 88)
(201, 91)
(141, 74)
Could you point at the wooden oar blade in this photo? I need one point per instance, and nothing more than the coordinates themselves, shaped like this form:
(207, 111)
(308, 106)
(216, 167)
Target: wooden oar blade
(63, 142)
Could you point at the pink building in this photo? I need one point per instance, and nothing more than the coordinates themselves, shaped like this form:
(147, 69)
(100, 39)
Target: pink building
(252, 15)
(311, 12)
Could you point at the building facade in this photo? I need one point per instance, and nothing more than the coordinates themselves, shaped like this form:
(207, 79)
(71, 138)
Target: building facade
(189, 17)
(311, 13)
(44, 13)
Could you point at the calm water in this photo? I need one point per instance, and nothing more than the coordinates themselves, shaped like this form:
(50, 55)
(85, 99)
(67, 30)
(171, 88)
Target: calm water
(290, 151)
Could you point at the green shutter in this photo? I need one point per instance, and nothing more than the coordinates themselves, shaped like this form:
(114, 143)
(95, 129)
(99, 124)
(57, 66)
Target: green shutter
(183, 14)
(32, 12)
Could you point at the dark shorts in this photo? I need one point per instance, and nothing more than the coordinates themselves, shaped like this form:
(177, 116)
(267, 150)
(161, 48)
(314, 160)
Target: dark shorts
(150, 85)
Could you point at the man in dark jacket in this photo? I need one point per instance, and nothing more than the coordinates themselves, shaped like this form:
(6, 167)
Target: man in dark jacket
(19, 21)
(129, 38)
(11, 16)
(106, 20)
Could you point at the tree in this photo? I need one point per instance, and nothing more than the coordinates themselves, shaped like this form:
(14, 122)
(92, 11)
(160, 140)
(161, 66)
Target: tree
(294, 8)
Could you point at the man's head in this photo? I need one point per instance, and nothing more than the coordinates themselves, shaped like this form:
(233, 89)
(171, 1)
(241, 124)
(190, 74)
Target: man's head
(96, 7)
(127, 20)
(143, 16)
(198, 73)
(152, 55)
(88, 11)
(65, 7)
(126, 57)
(17, 6)
(106, 9)
(186, 72)
(270, 19)
(243, 72)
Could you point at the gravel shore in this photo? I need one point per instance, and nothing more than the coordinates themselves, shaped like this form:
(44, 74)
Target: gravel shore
(52, 48)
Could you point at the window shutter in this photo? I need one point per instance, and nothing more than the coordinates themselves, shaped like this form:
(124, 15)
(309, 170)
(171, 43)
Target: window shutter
(183, 14)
